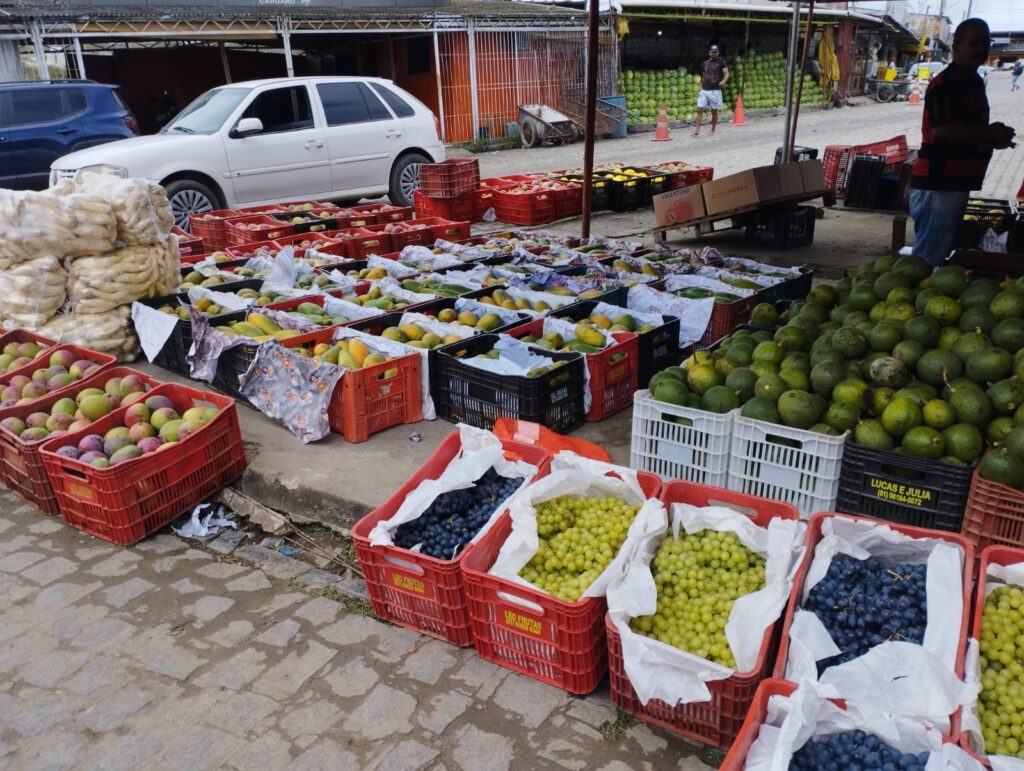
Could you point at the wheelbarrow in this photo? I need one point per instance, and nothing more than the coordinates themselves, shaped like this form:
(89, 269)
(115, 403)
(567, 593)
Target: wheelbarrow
(540, 124)
(888, 90)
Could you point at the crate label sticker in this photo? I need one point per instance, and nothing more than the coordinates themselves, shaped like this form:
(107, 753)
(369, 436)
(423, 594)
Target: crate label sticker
(560, 394)
(517, 621)
(17, 462)
(407, 583)
(909, 495)
(82, 492)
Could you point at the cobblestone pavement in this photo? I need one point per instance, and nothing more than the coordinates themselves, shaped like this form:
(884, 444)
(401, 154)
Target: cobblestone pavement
(736, 148)
(165, 656)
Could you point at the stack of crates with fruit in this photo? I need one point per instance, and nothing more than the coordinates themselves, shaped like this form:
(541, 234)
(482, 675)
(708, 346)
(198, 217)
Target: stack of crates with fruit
(675, 665)
(412, 547)
(448, 189)
(536, 582)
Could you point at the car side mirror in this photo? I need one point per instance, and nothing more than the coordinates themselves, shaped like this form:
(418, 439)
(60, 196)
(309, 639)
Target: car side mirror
(247, 127)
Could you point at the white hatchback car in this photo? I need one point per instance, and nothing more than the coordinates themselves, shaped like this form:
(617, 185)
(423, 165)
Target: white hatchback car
(262, 141)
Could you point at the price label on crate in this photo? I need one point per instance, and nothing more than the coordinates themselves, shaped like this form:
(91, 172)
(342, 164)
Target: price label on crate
(407, 584)
(522, 623)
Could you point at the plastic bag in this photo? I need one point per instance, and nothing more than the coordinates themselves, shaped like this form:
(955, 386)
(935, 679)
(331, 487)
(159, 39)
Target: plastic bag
(101, 283)
(657, 670)
(694, 315)
(141, 208)
(110, 332)
(32, 292)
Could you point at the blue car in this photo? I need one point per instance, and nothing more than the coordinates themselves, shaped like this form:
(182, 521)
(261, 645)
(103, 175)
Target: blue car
(42, 120)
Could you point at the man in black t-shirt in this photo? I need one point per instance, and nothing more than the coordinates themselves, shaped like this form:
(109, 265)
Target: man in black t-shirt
(714, 73)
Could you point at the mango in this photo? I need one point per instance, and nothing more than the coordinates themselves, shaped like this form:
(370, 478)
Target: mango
(447, 315)
(373, 358)
(263, 323)
(394, 333)
(489, 321)
(588, 335)
(468, 319)
(412, 331)
(357, 348)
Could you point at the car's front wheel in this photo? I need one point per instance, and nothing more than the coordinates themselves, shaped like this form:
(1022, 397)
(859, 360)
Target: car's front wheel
(189, 196)
(405, 177)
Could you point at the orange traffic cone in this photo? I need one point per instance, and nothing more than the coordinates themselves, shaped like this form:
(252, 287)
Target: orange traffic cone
(915, 96)
(737, 117)
(661, 131)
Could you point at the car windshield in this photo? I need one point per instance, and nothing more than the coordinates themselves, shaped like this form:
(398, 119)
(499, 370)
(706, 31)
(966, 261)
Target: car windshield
(207, 113)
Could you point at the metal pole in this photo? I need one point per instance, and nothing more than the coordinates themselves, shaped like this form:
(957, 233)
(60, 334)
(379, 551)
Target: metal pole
(794, 25)
(519, 72)
(474, 106)
(37, 44)
(391, 57)
(286, 37)
(800, 82)
(224, 61)
(79, 58)
(593, 30)
(440, 91)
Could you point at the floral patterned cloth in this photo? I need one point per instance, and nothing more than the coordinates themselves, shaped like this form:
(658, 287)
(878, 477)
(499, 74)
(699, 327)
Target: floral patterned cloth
(293, 390)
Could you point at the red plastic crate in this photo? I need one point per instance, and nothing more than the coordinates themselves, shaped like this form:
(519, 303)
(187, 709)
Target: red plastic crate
(994, 515)
(524, 208)
(686, 177)
(360, 243)
(483, 201)
(447, 229)
(252, 249)
(382, 213)
(612, 384)
(236, 235)
(43, 360)
(317, 240)
(725, 318)
(21, 464)
(460, 207)
(369, 400)
(530, 631)
(736, 760)
(318, 206)
(991, 555)
(568, 201)
(838, 160)
(716, 722)
(211, 230)
(23, 336)
(125, 503)
(814, 535)
(419, 234)
(450, 178)
(415, 590)
(188, 244)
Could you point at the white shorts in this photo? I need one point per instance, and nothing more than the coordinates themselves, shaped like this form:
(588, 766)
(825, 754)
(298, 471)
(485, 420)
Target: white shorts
(709, 100)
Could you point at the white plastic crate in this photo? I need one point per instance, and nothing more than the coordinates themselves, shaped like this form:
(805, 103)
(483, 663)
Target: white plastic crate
(785, 464)
(695, 450)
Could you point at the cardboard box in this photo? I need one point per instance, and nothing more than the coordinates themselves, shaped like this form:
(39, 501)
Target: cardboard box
(679, 206)
(790, 179)
(813, 175)
(748, 188)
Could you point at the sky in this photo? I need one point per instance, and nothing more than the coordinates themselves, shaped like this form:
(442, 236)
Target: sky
(1000, 14)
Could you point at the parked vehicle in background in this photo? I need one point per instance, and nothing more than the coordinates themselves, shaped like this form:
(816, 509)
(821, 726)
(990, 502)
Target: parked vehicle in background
(40, 121)
(934, 68)
(262, 141)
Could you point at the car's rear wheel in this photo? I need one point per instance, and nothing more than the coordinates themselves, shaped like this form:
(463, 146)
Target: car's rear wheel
(189, 196)
(405, 177)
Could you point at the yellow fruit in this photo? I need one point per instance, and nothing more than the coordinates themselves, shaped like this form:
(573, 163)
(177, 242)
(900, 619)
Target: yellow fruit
(489, 321)
(487, 301)
(449, 339)
(512, 305)
(541, 306)
(375, 274)
(448, 315)
(331, 355)
(589, 336)
(468, 319)
(413, 331)
(627, 321)
(417, 344)
(347, 360)
(284, 334)
(373, 358)
(555, 339)
(394, 333)
(600, 320)
(247, 329)
(431, 340)
(202, 304)
(359, 351)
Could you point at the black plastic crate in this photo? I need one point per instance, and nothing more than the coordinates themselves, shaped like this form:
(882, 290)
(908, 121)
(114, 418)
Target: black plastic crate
(599, 189)
(627, 194)
(1015, 241)
(310, 223)
(658, 348)
(782, 228)
(232, 287)
(887, 196)
(862, 181)
(234, 362)
(466, 394)
(899, 488)
(434, 307)
(798, 153)
(657, 183)
(173, 356)
(798, 287)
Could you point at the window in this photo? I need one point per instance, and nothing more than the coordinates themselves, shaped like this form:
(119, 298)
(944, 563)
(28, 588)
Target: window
(283, 109)
(207, 112)
(75, 99)
(395, 102)
(346, 103)
(36, 105)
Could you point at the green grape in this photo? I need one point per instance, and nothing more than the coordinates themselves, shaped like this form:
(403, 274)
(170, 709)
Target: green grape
(1001, 701)
(699, 577)
(579, 537)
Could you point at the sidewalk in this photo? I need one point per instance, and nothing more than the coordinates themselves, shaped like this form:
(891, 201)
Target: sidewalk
(165, 656)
